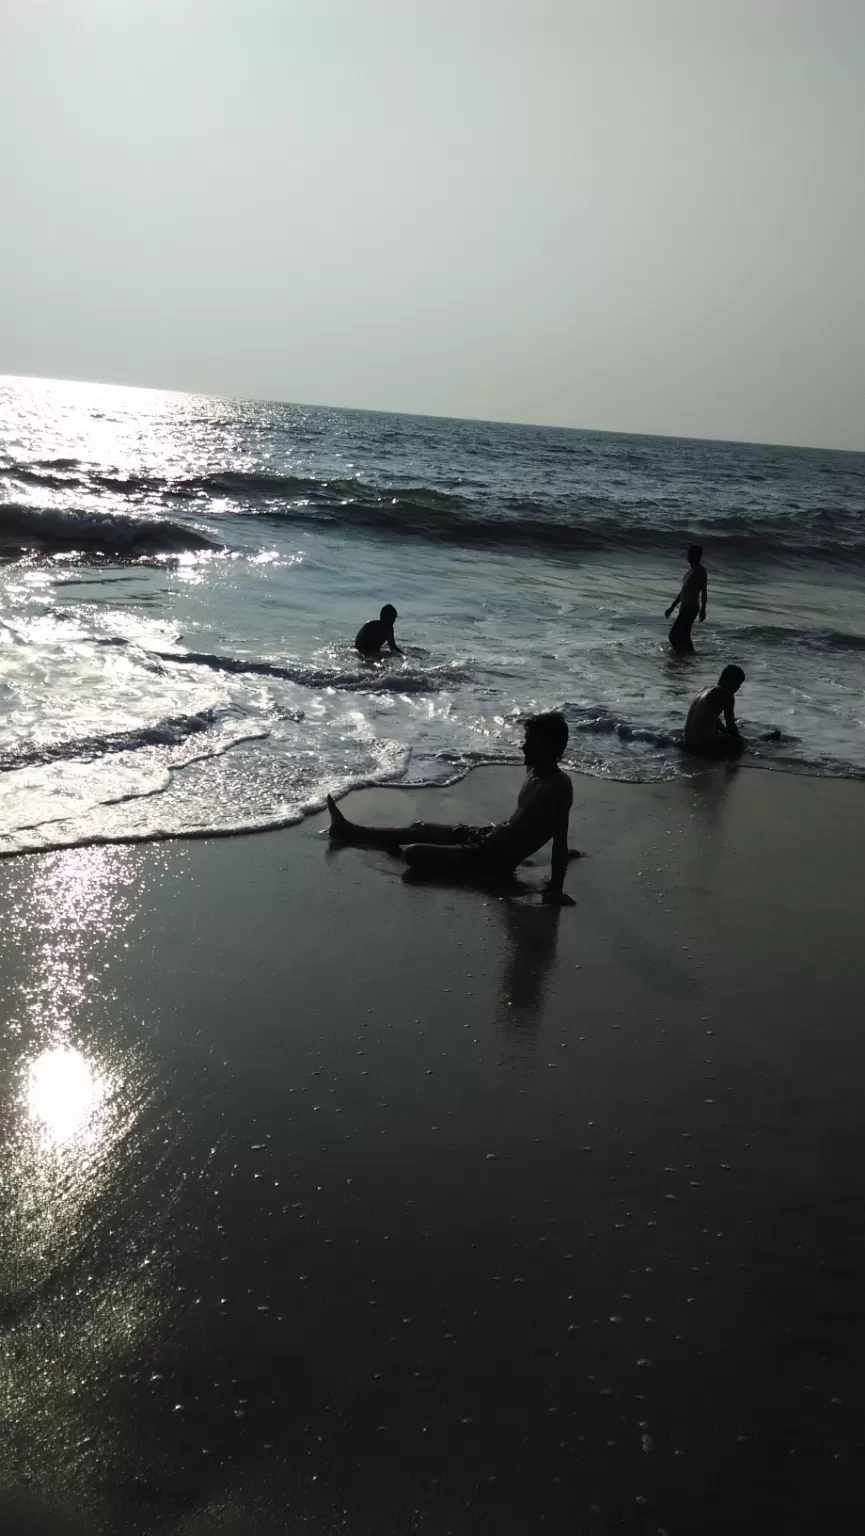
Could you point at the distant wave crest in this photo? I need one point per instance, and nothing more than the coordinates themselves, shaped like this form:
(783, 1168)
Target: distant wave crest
(470, 515)
(24, 529)
(812, 639)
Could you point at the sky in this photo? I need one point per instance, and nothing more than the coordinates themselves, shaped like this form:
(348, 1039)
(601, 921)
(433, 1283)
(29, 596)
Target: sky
(638, 215)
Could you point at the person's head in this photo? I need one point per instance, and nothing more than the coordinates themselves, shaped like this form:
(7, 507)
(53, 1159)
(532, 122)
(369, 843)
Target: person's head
(546, 740)
(732, 679)
(695, 554)
(388, 613)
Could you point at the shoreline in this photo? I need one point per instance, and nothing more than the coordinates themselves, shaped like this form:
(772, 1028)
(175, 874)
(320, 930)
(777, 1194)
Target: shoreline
(698, 769)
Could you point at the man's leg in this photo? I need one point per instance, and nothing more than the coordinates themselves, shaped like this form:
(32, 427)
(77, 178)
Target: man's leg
(680, 634)
(719, 747)
(688, 618)
(344, 831)
(458, 863)
(455, 861)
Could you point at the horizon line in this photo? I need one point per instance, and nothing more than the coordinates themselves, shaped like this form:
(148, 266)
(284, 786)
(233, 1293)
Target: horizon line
(489, 421)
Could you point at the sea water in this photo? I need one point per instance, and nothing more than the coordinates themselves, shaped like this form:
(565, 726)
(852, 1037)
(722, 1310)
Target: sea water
(181, 578)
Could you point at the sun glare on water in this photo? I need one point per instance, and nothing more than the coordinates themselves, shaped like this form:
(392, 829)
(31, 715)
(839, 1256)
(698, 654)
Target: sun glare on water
(63, 1095)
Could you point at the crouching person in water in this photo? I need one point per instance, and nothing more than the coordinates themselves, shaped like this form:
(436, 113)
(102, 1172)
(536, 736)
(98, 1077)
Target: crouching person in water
(476, 853)
(378, 632)
(705, 732)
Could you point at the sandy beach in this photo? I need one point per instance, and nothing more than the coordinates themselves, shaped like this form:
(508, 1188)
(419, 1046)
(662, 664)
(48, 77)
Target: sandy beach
(331, 1203)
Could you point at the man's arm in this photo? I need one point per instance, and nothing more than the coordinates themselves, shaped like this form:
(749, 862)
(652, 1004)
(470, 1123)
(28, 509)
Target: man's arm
(554, 892)
(391, 643)
(704, 593)
(675, 603)
(730, 724)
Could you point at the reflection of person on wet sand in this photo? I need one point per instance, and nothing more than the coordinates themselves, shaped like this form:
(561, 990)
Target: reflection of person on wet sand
(531, 936)
(705, 732)
(378, 632)
(476, 853)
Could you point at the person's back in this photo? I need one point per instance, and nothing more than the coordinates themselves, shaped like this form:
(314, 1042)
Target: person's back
(704, 729)
(693, 586)
(701, 725)
(378, 632)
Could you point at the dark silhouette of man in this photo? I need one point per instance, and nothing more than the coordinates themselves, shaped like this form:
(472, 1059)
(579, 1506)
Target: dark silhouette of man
(690, 602)
(705, 731)
(457, 852)
(378, 632)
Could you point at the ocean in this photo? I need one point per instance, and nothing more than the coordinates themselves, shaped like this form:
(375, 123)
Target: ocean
(181, 578)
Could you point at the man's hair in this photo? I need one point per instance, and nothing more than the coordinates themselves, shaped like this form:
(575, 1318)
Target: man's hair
(695, 552)
(553, 727)
(389, 612)
(732, 676)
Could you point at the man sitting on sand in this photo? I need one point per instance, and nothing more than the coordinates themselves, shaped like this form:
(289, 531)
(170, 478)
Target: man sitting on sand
(476, 853)
(705, 732)
(378, 632)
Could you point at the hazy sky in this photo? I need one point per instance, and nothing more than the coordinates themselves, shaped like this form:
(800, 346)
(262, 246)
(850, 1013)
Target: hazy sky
(636, 214)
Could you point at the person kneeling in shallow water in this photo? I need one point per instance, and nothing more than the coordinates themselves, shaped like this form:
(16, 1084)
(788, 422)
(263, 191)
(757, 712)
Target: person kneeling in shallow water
(705, 731)
(378, 632)
(542, 812)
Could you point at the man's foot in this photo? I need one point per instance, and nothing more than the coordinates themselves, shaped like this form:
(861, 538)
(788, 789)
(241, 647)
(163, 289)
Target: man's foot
(340, 827)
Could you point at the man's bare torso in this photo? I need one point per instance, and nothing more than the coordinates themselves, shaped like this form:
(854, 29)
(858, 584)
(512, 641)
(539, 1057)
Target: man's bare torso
(543, 804)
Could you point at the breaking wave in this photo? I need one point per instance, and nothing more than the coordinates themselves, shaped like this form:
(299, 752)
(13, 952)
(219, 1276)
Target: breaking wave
(365, 677)
(473, 514)
(25, 529)
(165, 733)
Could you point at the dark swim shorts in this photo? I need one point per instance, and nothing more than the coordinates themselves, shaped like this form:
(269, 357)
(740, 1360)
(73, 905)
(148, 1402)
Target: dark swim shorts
(484, 850)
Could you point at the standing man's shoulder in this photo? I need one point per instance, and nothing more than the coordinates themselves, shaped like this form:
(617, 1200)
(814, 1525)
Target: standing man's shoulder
(565, 787)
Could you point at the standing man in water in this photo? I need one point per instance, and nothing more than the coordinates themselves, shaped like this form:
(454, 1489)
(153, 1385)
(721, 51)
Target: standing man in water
(690, 601)
(479, 853)
(378, 632)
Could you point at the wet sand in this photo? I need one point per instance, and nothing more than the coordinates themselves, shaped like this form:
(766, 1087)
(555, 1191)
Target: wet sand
(335, 1204)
